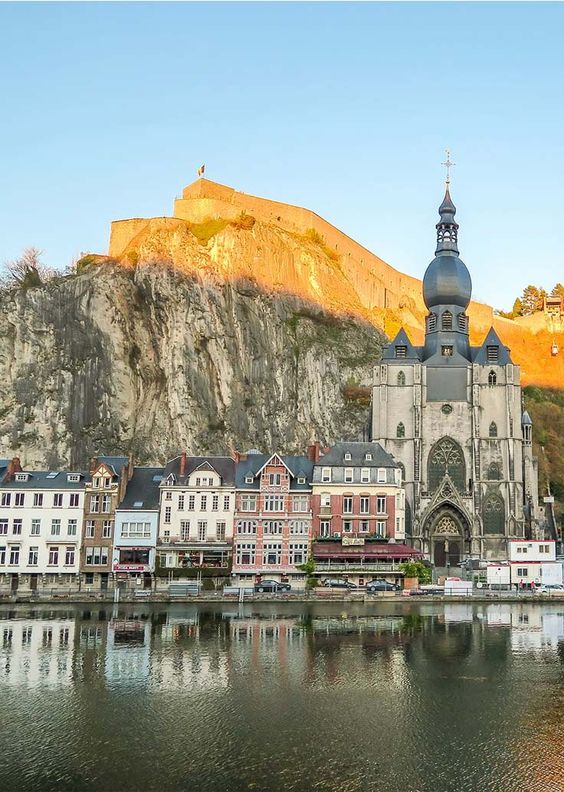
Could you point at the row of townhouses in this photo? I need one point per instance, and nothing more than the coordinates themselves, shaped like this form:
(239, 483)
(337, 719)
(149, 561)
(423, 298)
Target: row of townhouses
(238, 518)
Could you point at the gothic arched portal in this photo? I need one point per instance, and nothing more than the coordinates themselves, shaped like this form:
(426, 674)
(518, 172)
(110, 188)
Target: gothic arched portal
(448, 533)
(446, 456)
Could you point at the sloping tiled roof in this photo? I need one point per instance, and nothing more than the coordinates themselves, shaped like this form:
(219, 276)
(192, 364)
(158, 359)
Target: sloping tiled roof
(116, 463)
(358, 451)
(223, 465)
(142, 491)
(298, 465)
(44, 479)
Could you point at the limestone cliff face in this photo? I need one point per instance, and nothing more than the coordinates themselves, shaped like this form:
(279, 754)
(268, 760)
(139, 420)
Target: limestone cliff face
(152, 360)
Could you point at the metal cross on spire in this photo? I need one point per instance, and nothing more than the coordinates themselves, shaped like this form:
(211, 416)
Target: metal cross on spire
(448, 165)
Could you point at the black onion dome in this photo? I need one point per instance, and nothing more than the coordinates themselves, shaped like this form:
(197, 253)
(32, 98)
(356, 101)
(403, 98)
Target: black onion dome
(447, 282)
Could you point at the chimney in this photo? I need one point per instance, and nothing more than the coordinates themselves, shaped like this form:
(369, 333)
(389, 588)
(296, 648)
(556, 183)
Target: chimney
(14, 466)
(130, 465)
(93, 464)
(183, 464)
(314, 452)
(237, 456)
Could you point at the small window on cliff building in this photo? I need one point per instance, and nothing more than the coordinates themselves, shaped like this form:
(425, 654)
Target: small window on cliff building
(401, 351)
(401, 378)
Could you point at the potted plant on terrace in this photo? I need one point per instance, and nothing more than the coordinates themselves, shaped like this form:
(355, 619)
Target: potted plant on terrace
(415, 572)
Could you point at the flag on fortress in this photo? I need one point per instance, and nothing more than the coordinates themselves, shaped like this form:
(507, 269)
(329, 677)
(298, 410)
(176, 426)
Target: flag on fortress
(201, 170)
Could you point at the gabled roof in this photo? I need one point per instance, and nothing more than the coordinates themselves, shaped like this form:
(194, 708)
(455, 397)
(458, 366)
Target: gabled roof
(114, 463)
(224, 466)
(401, 339)
(269, 461)
(142, 493)
(336, 456)
(480, 354)
(298, 466)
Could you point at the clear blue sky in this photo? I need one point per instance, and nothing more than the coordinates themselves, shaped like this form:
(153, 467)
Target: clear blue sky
(107, 111)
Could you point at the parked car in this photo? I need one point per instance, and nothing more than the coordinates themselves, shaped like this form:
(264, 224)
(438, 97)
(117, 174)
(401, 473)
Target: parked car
(272, 586)
(381, 585)
(338, 583)
(549, 588)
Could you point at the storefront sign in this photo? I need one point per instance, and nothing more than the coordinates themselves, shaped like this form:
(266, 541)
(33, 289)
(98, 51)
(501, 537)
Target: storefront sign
(347, 541)
(130, 568)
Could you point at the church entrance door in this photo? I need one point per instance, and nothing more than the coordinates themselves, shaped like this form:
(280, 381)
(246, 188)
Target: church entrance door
(447, 536)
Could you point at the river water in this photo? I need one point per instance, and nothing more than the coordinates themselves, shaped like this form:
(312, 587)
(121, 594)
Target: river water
(385, 696)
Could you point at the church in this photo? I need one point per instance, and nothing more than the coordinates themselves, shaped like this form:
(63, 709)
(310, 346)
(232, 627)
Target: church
(451, 414)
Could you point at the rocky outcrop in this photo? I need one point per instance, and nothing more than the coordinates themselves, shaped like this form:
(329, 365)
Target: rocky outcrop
(148, 359)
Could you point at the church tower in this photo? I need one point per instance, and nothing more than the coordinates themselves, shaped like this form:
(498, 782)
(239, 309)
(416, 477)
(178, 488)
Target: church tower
(451, 414)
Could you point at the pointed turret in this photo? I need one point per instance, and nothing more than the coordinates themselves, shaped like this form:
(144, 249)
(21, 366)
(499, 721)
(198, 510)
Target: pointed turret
(447, 227)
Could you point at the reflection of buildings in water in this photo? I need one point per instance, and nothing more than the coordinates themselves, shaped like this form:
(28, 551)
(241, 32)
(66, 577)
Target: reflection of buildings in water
(127, 651)
(37, 651)
(536, 629)
(183, 658)
(458, 612)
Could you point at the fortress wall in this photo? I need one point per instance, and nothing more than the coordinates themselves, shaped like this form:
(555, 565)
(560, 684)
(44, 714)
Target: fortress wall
(122, 232)
(204, 199)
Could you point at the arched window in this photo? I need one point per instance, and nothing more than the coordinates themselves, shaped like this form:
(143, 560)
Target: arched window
(492, 378)
(494, 515)
(446, 457)
(493, 473)
(400, 431)
(446, 322)
(493, 429)
(401, 378)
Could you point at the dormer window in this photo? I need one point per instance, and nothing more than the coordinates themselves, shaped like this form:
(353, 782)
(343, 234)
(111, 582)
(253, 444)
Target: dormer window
(401, 351)
(301, 480)
(249, 479)
(368, 457)
(22, 477)
(74, 477)
(347, 457)
(492, 353)
(446, 321)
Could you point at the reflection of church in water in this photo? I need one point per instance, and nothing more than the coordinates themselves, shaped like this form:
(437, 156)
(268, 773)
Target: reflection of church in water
(451, 414)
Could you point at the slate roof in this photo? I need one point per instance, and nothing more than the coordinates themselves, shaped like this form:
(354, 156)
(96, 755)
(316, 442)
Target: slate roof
(358, 451)
(223, 465)
(480, 354)
(413, 353)
(38, 479)
(116, 463)
(298, 465)
(142, 493)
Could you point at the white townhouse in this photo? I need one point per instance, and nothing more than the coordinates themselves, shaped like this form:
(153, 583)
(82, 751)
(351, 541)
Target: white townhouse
(196, 514)
(41, 516)
(136, 528)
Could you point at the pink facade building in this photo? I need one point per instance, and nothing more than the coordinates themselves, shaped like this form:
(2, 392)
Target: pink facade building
(272, 527)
